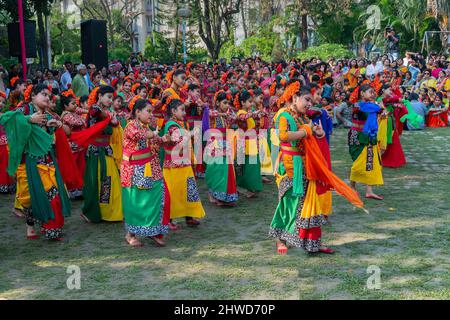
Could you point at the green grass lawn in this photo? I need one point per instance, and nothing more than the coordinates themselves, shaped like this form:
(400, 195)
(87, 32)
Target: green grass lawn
(230, 256)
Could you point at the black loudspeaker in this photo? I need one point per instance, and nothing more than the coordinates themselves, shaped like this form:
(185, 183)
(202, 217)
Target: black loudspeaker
(94, 45)
(30, 39)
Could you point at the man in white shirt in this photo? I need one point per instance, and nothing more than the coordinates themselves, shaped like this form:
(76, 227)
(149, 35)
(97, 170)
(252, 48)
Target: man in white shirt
(374, 68)
(66, 78)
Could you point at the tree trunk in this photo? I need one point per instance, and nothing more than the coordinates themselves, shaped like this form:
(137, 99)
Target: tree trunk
(175, 53)
(111, 34)
(42, 40)
(244, 25)
(304, 18)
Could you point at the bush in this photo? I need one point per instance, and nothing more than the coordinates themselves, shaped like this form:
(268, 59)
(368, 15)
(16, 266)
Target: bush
(325, 51)
(229, 50)
(197, 54)
(159, 51)
(120, 53)
(75, 57)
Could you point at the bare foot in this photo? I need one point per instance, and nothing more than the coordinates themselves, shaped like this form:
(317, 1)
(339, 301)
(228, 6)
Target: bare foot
(133, 241)
(374, 196)
(18, 213)
(159, 242)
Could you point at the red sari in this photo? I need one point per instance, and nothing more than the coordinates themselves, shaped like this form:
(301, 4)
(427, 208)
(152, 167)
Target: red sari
(394, 157)
(434, 120)
(7, 183)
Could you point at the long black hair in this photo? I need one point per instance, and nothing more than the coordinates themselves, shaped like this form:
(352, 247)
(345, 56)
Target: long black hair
(38, 88)
(173, 105)
(139, 105)
(64, 101)
(105, 89)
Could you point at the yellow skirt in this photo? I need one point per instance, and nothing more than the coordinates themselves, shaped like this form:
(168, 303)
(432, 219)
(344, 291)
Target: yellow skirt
(111, 210)
(184, 197)
(23, 198)
(359, 171)
(326, 202)
(311, 204)
(265, 157)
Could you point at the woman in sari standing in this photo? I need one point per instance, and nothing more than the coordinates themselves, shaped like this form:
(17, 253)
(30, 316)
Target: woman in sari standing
(146, 201)
(102, 190)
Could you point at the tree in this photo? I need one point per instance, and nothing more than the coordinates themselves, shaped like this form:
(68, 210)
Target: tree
(214, 19)
(119, 15)
(412, 13)
(39, 7)
(42, 10)
(440, 10)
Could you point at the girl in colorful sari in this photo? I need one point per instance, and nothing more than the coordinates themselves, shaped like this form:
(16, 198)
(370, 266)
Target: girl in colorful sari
(39, 141)
(102, 191)
(16, 96)
(184, 197)
(391, 128)
(363, 143)
(122, 113)
(75, 123)
(263, 129)
(437, 113)
(146, 202)
(128, 95)
(300, 167)
(248, 169)
(177, 80)
(220, 176)
(7, 184)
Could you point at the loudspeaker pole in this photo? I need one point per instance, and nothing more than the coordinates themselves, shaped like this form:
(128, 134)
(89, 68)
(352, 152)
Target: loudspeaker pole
(23, 55)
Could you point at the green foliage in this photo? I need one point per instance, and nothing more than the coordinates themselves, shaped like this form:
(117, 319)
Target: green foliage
(197, 54)
(119, 53)
(75, 57)
(265, 44)
(325, 51)
(159, 51)
(65, 41)
(229, 50)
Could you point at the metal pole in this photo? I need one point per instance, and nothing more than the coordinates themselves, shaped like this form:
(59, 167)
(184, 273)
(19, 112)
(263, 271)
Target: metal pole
(184, 41)
(22, 39)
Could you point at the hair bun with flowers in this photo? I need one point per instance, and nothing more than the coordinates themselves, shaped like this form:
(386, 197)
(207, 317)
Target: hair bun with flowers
(92, 99)
(289, 92)
(69, 93)
(166, 102)
(13, 81)
(134, 87)
(133, 102)
(188, 68)
(169, 76)
(27, 93)
(217, 95)
(236, 101)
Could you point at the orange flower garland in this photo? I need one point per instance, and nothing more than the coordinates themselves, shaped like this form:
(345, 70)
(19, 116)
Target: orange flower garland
(2, 94)
(289, 92)
(133, 102)
(273, 88)
(92, 99)
(134, 87)
(69, 93)
(27, 93)
(236, 101)
(169, 76)
(219, 92)
(13, 81)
